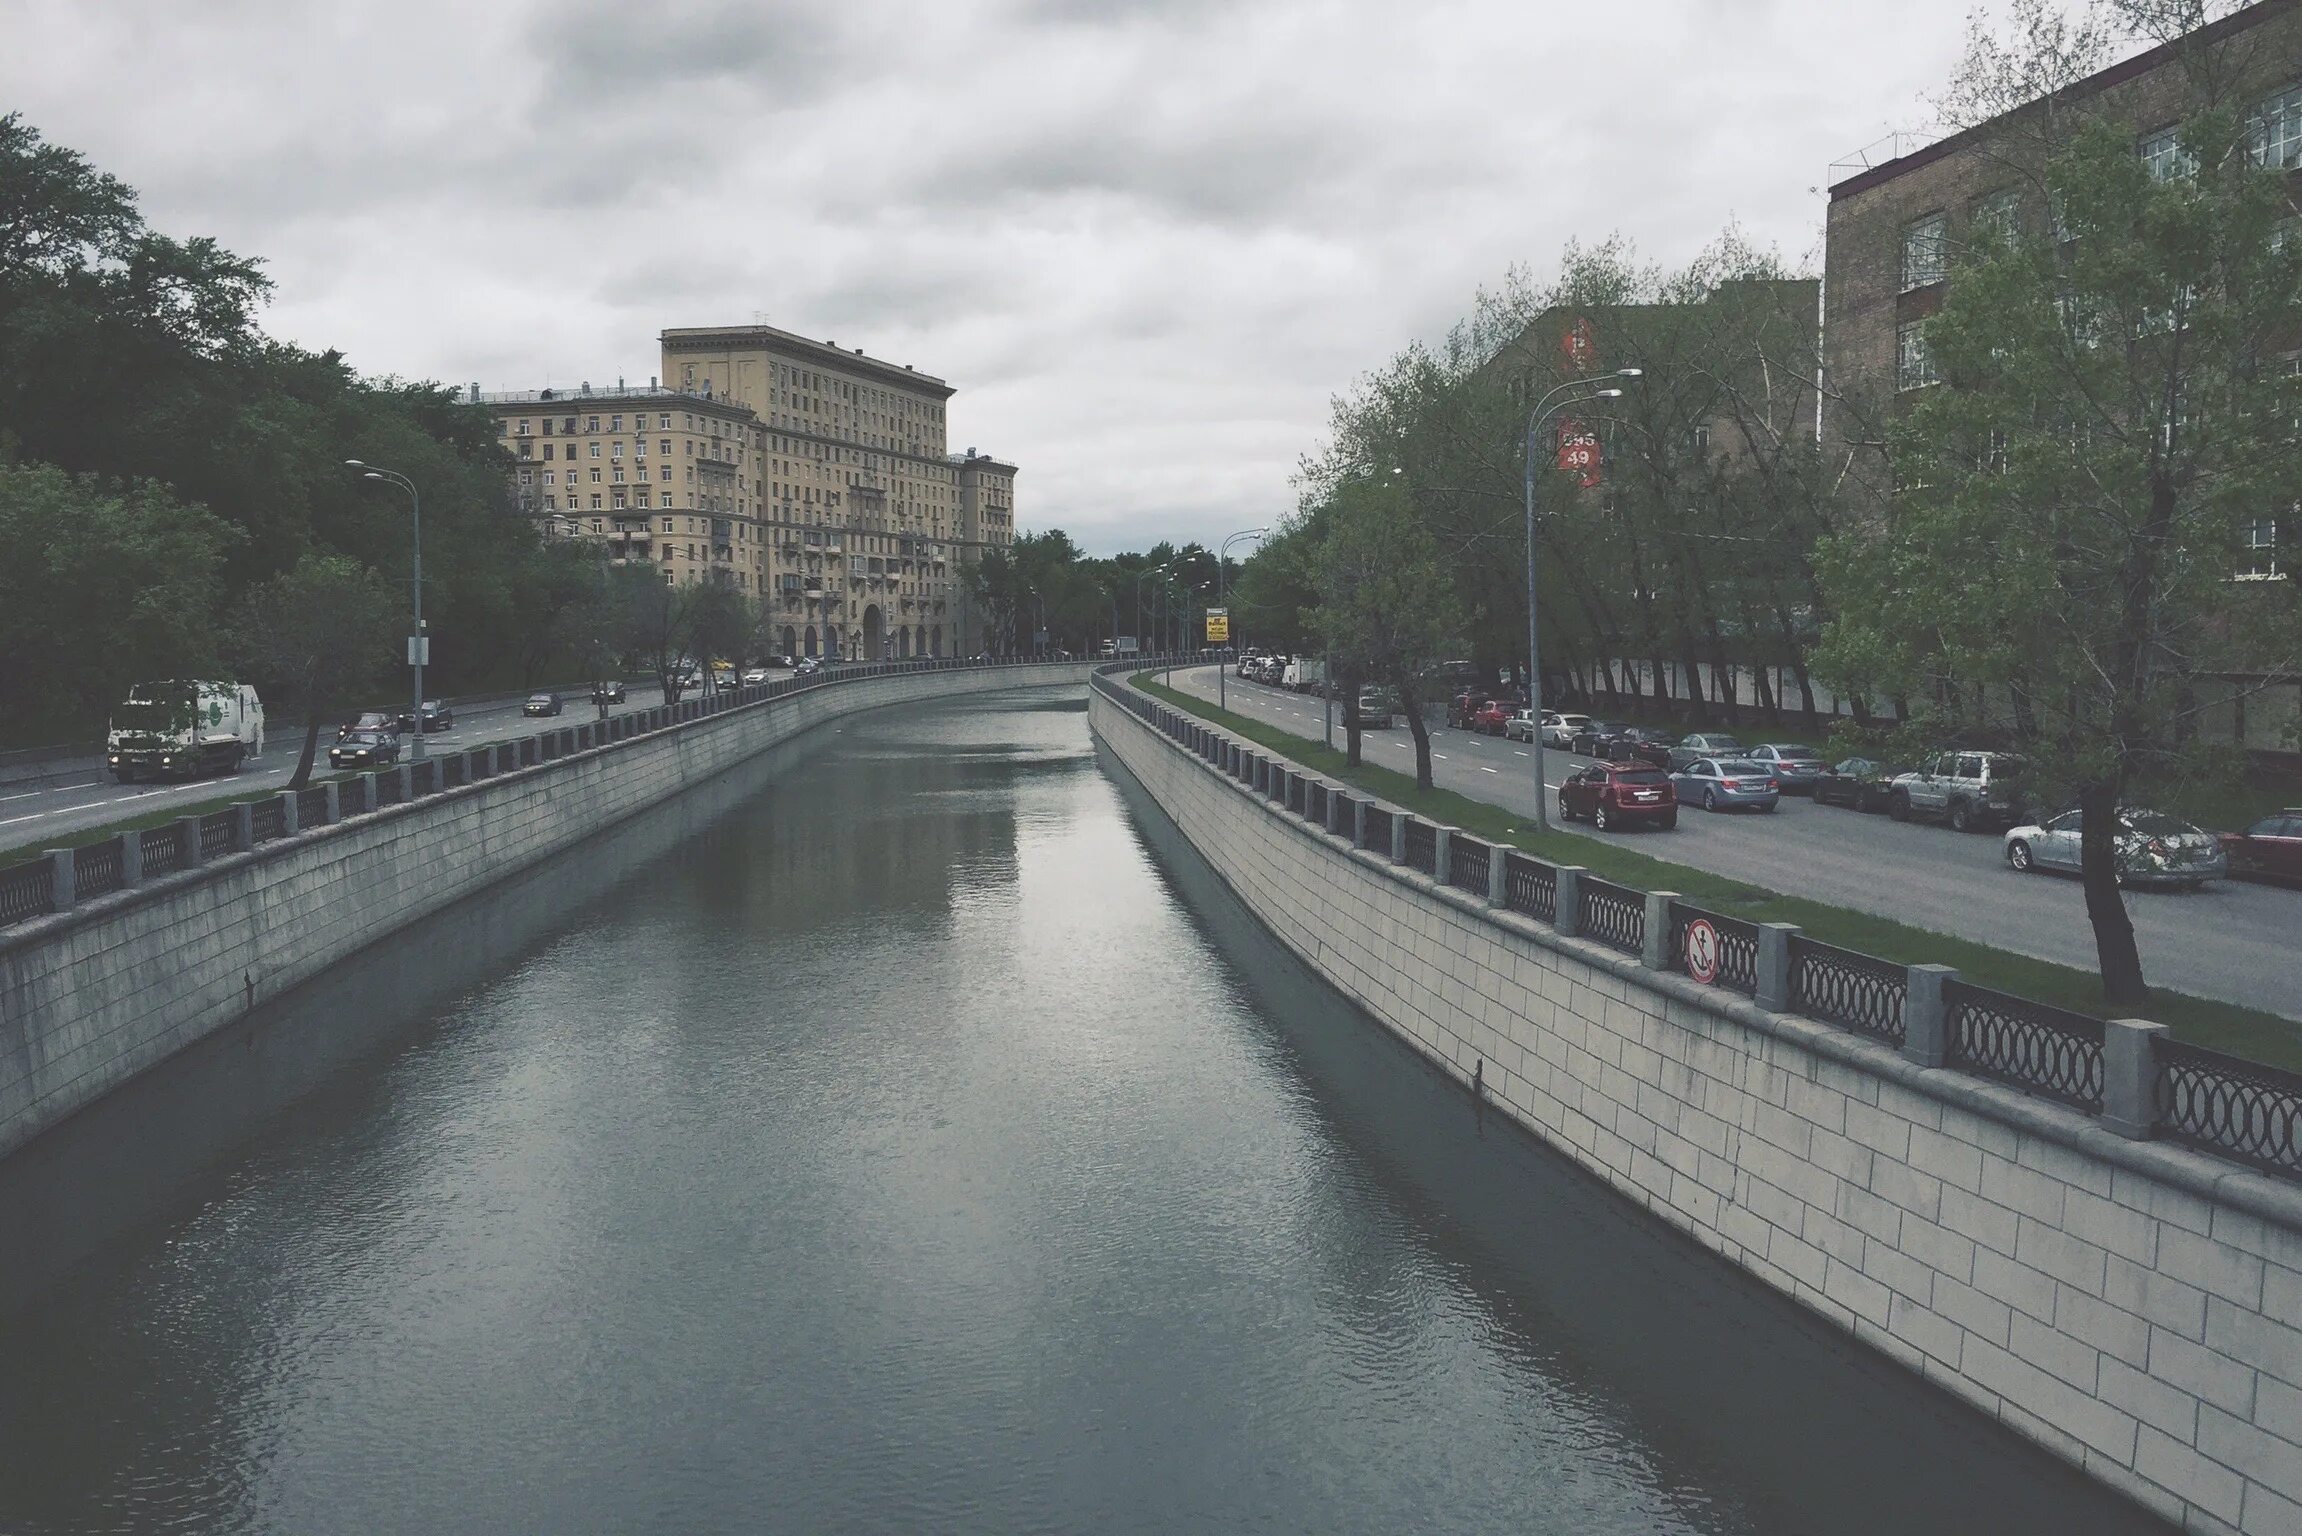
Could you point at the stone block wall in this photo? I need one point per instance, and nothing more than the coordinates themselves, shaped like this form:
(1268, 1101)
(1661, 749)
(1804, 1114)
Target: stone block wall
(2135, 1307)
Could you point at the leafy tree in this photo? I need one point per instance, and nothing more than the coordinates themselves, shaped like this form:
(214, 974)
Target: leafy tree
(2113, 415)
(1386, 608)
(315, 636)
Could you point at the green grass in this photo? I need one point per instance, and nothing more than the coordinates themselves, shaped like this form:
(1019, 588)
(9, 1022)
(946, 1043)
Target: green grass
(24, 853)
(2220, 1026)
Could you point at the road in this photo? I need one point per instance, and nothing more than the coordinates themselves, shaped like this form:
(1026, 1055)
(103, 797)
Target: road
(29, 816)
(2235, 940)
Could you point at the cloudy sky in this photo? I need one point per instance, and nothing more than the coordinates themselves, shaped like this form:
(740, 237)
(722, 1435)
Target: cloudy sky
(1146, 239)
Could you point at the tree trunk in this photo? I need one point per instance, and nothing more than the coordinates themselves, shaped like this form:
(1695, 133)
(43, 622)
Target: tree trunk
(303, 774)
(1352, 731)
(2120, 961)
(1404, 685)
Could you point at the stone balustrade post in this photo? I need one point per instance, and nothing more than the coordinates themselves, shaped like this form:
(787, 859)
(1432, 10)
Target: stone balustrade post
(334, 810)
(243, 826)
(1925, 1021)
(2130, 1077)
(1773, 992)
(1443, 855)
(1358, 823)
(368, 790)
(1398, 838)
(1655, 943)
(191, 855)
(63, 885)
(406, 774)
(131, 858)
(1567, 913)
(289, 821)
(1498, 875)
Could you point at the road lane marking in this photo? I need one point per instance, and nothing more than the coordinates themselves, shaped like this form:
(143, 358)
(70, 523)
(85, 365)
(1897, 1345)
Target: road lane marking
(1483, 768)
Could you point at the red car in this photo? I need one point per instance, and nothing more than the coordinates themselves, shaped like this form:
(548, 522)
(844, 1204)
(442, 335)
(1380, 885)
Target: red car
(2269, 849)
(1490, 718)
(1620, 795)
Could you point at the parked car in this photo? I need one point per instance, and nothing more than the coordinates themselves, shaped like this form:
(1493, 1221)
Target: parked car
(1860, 783)
(1795, 767)
(539, 704)
(1965, 789)
(1725, 783)
(1462, 706)
(1491, 718)
(370, 720)
(1524, 723)
(610, 692)
(1559, 730)
(2271, 849)
(434, 716)
(809, 666)
(1619, 795)
(365, 749)
(1595, 737)
(1703, 744)
(1378, 708)
(1642, 744)
(2150, 847)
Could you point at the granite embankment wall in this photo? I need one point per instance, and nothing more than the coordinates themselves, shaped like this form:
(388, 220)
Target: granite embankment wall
(2135, 1307)
(92, 996)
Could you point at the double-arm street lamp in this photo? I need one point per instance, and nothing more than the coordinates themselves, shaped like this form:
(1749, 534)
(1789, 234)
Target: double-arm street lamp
(1140, 578)
(416, 646)
(1574, 392)
(1222, 557)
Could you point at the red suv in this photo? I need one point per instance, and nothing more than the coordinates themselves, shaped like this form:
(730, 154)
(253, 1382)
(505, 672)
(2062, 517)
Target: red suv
(2270, 849)
(1620, 795)
(1490, 718)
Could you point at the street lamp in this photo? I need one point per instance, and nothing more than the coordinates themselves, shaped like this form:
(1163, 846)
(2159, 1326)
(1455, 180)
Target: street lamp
(1222, 556)
(1140, 578)
(416, 645)
(1563, 395)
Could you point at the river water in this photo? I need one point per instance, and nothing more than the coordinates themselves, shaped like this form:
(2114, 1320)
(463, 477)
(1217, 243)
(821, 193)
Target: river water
(919, 1148)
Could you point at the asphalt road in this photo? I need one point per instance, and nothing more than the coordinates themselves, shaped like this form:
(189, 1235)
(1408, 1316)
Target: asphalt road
(29, 816)
(2235, 940)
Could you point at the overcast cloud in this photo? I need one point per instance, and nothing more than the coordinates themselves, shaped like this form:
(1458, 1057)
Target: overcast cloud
(1146, 239)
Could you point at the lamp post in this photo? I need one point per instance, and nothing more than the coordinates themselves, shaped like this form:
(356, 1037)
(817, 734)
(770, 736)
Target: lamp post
(1140, 578)
(1222, 555)
(1563, 395)
(416, 645)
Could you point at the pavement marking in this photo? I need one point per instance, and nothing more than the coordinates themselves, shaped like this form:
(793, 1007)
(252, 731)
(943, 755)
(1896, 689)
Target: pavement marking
(1483, 768)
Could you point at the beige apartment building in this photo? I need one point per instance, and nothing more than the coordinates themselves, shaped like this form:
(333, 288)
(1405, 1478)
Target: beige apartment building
(869, 520)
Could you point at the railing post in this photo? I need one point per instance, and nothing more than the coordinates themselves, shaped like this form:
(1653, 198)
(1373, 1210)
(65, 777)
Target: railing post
(243, 826)
(1337, 811)
(1443, 855)
(288, 820)
(63, 891)
(334, 810)
(2130, 1077)
(1925, 1021)
(1773, 991)
(1655, 946)
(131, 858)
(1398, 838)
(1358, 823)
(1567, 901)
(192, 855)
(1498, 875)
(368, 790)
(406, 774)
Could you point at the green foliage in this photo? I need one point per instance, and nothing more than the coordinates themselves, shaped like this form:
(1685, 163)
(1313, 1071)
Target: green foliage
(315, 636)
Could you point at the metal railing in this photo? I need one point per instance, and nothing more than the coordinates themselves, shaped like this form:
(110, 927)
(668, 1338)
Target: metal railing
(1468, 861)
(1422, 847)
(96, 868)
(1530, 886)
(2036, 1047)
(216, 832)
(1737, 946)
(311, 806)
(27, 891)
(266, 821)
(1610, 914)
(2241, 1109)
(1379, 830)
(163, 850)
(1848, 988)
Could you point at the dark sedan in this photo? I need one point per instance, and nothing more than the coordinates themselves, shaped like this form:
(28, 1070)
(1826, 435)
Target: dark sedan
(539, 704)
(372, 720)
(2271, 849)
(1642, 744)
(1859, 783)
(1594, 739)
(365, 749)
(434, 716)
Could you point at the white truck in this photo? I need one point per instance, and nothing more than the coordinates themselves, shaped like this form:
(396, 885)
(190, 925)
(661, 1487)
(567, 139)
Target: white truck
(1305, 674)
(183, 729)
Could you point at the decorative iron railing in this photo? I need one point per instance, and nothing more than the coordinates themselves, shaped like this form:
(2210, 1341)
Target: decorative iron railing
(1610, 914)
(96, 869)
(1846, 987)
(26, 891)
(1423, 847)
(2038, 1048)
(2227, 1104)
(1379, 829)
(266, 821)
(216, 833)
(311, 806)
(387, 790)
(163, 849)
(1467, 864)
(1530, 886)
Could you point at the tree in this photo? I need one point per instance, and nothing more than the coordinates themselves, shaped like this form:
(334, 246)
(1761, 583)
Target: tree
(315, 635)
(1386, 607)
(2114, 414)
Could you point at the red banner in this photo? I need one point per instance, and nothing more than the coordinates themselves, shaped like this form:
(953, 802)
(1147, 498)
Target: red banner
(1580, 344)
(1579, 451)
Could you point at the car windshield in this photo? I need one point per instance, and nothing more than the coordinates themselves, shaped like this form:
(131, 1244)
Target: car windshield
(1734, 766)
(1648, 777)
(539, 698)
(1792, 749)
(364, 738)
(2154, 824)
(151, 715)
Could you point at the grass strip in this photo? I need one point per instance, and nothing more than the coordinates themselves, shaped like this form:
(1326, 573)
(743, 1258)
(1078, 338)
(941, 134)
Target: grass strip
(2220, 1026)
(25, 853)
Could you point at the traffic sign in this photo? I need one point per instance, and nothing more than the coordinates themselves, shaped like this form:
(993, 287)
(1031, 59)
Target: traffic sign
(1703, 951)
(1218, 626)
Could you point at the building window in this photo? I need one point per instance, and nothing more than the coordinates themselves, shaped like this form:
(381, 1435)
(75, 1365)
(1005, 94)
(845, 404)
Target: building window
(1922, 251)
(2164, 157)
(1998, 216)
(595, 450)
(2258, 561)
(527, 450)
(615, 449)
(1913, 364)
(520, 428)
(2275, 131)
(663, 424)
(591, 424)
(595, 501)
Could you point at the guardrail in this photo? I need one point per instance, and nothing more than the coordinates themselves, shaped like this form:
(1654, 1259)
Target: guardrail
(63, 878)
(2125, 1072)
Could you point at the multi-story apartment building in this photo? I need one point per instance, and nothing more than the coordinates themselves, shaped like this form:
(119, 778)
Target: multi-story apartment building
(661, 475)
(869, 521)
(1904, 211)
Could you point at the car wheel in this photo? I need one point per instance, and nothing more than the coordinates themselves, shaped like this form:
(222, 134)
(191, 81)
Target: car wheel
(1669, 821)
(1566, 811)
(1961, 818)
(1601, 820)
(1899, 807)
(2018, 855)
(1710, 799)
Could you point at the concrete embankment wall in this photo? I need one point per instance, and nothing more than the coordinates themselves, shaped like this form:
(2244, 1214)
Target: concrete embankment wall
(91, 997)
(2134, 1307)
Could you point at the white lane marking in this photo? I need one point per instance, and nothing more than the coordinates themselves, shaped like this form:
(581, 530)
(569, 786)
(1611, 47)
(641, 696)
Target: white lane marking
(1483, 768)
(26, 795)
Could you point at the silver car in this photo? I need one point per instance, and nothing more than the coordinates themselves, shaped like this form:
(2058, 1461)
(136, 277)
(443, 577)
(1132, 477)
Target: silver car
(1723, 783)
(1560, 730)
(2150, 848)
(1795, 767)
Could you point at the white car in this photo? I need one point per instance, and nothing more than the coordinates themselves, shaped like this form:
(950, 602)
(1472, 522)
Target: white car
(1561, 730)
(754, 676)
(2151, 848)
(1523, 725)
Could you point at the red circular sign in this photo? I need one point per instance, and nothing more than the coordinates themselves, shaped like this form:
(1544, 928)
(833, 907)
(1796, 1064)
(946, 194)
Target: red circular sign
(1702, 951)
